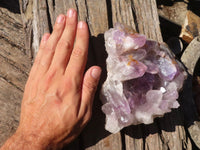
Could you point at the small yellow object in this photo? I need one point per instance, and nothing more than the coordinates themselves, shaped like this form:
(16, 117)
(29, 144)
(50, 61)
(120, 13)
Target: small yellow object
(131, 60)
(174, 61)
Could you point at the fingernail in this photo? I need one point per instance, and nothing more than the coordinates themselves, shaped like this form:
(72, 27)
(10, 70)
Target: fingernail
(60, 19)
(96, 73)
(70, 13)
(80, 25)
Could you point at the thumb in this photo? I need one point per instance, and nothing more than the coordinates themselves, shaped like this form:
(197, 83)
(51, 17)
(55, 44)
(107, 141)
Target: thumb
(90, 83)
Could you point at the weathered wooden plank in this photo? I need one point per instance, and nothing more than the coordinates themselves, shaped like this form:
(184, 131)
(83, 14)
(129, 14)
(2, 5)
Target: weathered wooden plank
(51, 8)
(12, 39)
(11, 28)
(97, 16)
(69, 4)
(10, 98)
(12, 74)
(134, 138)
(59, 7)
(14, 56)
(27, 18)
(191, 55)
(175, 12)
(123, 12)
(14, 68)
(43, 17)
(147, 21)
(173, 132)
(82, 10)
(152, 138)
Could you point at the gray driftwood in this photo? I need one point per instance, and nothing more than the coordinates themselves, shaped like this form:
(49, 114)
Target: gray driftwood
(38, 17)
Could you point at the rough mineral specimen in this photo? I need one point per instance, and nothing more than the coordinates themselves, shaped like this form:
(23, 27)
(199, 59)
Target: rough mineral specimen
(142, 82)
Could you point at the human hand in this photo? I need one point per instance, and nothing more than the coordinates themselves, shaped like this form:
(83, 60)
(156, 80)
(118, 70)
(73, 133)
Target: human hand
(58, 97)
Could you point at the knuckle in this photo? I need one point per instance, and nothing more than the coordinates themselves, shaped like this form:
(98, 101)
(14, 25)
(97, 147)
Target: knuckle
(42, 45)
(72, 85)
(55, 69)
(48, 48)
(65, 44)
(76, 53)
(48, 79)
(90, 86)
(57, 27)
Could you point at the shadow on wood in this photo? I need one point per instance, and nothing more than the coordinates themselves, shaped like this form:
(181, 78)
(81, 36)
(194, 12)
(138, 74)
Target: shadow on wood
(196, 86)
(166, 26)
(95, 130)
(194, 6)
(165, 123)
(11, 5)
(167, 2)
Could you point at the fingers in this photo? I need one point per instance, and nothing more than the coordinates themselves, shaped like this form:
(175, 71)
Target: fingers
(90, 82)
(49, 49)
(66, 42)
(77, 62)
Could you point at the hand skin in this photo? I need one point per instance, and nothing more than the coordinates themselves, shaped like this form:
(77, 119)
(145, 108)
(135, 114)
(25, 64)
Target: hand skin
(58, 97)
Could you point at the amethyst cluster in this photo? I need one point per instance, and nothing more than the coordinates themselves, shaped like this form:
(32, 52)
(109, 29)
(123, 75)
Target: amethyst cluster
(142, 82)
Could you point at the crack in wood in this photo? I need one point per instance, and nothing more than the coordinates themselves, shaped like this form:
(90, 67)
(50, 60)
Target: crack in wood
(77, 8)
(12, 64)
(12, 43)
(53, 3)
(8, 81)
(87, 12)
(7, 17)
(134, 16)
(109, 13)
(123, 140)
(49, 17)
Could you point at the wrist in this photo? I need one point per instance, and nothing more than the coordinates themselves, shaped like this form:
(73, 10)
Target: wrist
(19, 141)
(35, 141)
(31, 140)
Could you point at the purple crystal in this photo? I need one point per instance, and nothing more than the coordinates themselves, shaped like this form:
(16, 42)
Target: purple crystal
(142, 82)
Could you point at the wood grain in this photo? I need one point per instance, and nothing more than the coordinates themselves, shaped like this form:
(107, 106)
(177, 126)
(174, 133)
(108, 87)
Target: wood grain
(14, 69)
